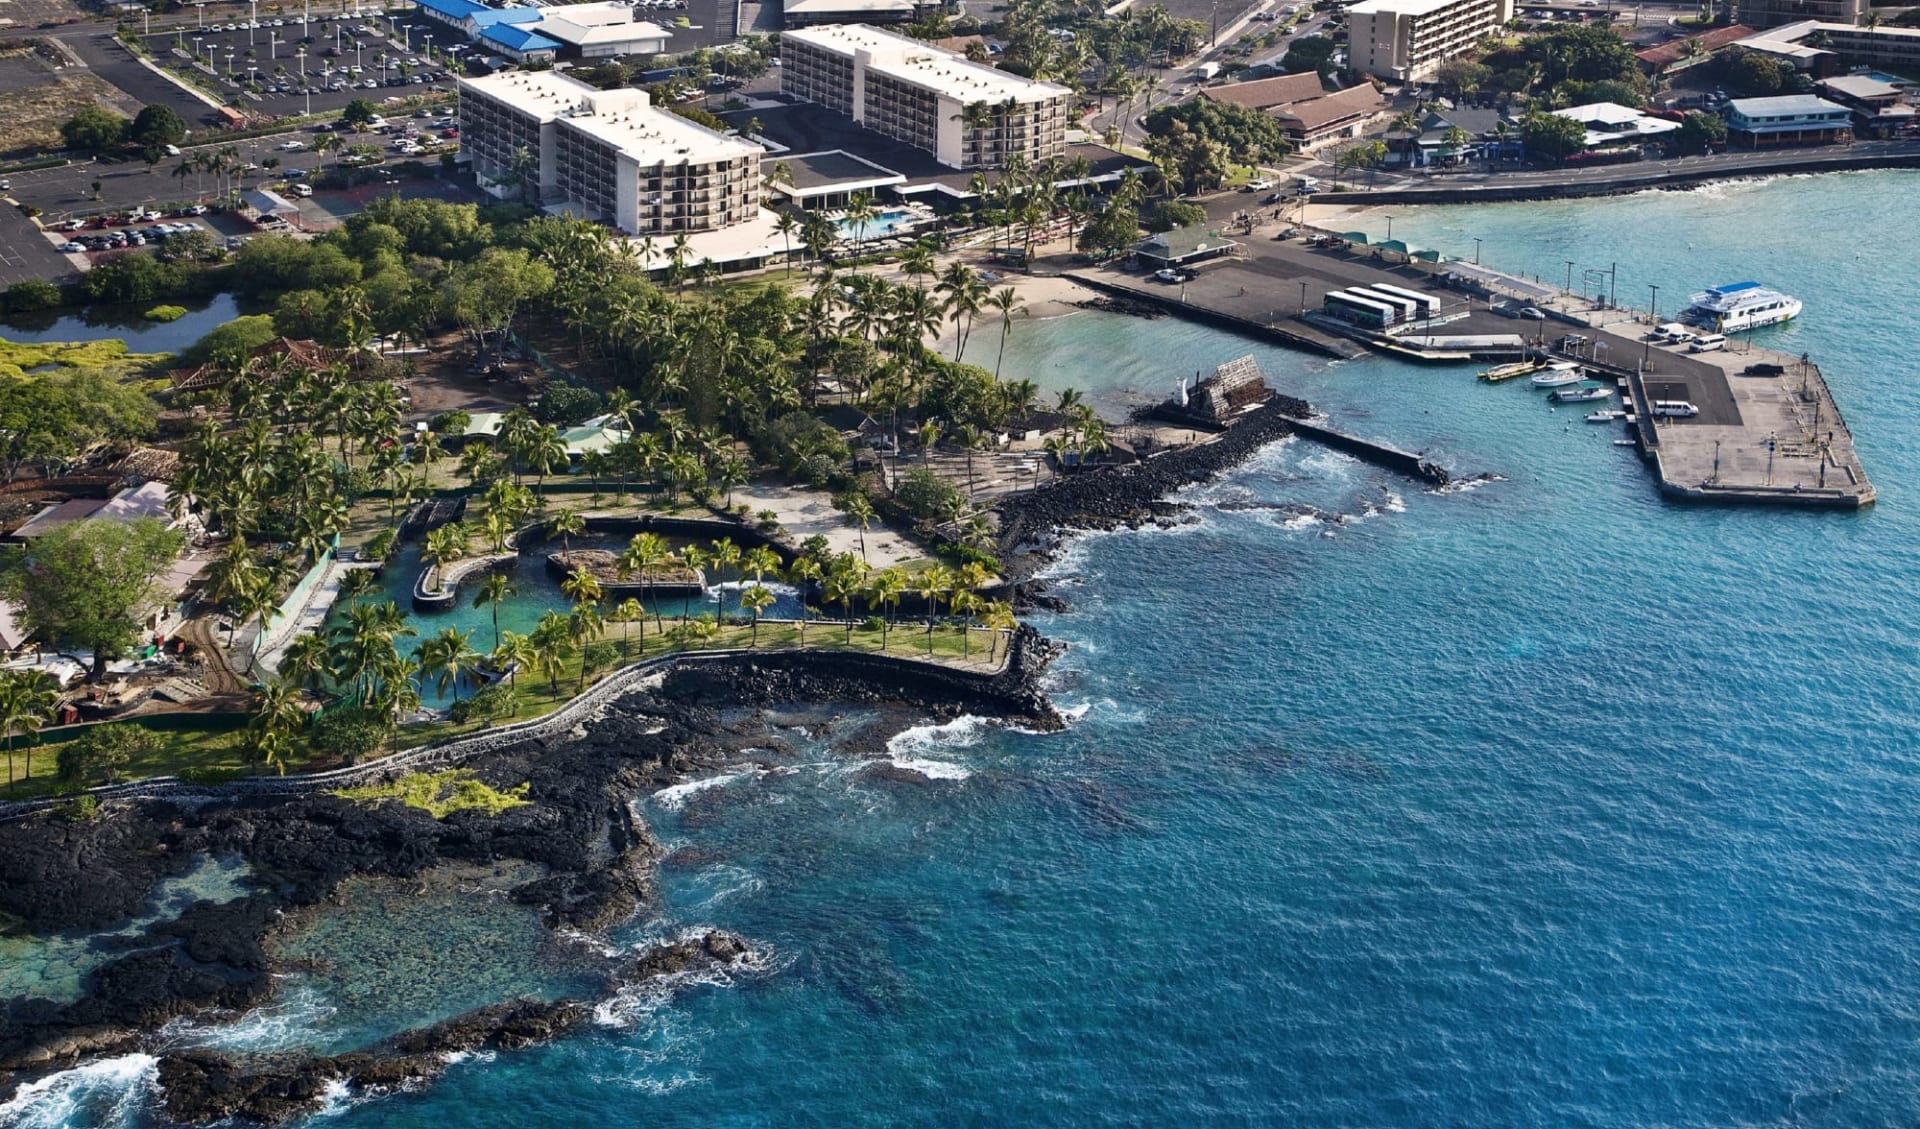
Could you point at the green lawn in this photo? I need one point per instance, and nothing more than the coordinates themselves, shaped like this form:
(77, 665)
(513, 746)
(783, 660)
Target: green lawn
(215, 753)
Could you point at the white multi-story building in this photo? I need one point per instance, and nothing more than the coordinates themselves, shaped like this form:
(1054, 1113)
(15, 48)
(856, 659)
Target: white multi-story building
(968, 115)
(608, 154)
(1407, 40)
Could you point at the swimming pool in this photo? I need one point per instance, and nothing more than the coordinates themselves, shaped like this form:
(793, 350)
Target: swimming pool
(893, 221)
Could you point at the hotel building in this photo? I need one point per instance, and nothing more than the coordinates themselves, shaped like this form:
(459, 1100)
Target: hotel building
(607, 154)
(968, 115)
(1407, 40)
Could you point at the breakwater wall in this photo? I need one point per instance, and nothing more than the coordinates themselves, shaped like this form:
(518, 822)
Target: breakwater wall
(1379, 454)
(1325, 346)
(1624, 182)
(715, 677)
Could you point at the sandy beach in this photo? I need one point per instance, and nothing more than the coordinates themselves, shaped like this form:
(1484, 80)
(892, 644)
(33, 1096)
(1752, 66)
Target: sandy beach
(1044, 296)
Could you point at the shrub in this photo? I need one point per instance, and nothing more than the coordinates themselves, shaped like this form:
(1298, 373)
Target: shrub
(80, 809)
(349, 734)
(567, 403)
(103, 752)
(926, 495)
(490, 703)
(166, 313)
(1169, 214)
(599, 656)
(31, 295)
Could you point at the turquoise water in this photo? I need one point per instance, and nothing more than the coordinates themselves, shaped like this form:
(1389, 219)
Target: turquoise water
(536, 592)
(889, 222)
(56, 966)
(1544, 802)
(127, 324)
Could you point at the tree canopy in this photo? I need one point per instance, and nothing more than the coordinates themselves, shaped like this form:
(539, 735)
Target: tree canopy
(1551, 135)
(94, 130)
(1192, 130)
(157, 127)
(85, 584)
(50, 418)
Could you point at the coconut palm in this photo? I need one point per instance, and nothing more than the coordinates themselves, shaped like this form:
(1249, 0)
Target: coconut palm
(566, 525)
(446, 658)
(929, 585)
(626, 613)
(512, 652)
(884, 589)
(644, 552)
(802, 574)
(581, 586)
(1006, 301)
(551, 642)
(859, 511)
(306, 662)
(493, 592)
(843, 583)
(444, 546)
(756, 599)
(998, 618)
(26, 703)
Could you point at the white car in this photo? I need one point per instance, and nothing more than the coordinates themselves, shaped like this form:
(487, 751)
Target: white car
(70, 247)
(291, 146)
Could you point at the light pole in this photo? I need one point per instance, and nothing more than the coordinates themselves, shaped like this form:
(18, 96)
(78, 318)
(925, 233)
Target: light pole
(196, 48)
(1303, 296)
(201, 9)
(273, 45)
(229, 64)
(1653, 315)
(302, 56)
(1569, 286)
(1389, 229)
(407, 36)
(1476, 252)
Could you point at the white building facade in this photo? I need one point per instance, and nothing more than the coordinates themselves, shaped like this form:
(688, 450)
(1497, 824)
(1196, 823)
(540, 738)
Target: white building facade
(607, 154)
(968, 115)
(1407, 40)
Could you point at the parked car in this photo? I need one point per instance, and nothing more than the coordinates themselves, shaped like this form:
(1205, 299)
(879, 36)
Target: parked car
(291, 146)
(71, 247)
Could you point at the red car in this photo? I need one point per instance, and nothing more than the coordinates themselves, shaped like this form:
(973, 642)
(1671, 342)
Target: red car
(454, 132)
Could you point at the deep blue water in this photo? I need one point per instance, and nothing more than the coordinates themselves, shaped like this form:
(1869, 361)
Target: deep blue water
(1544, 802)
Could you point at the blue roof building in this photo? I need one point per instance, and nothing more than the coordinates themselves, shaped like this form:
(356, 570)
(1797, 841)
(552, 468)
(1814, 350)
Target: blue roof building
(1791, 119)
(520, 44)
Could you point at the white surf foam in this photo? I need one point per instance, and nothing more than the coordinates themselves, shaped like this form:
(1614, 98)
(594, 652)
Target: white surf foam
(286, 1023)
(675, 797)
(107, 1093)
(1467, 485)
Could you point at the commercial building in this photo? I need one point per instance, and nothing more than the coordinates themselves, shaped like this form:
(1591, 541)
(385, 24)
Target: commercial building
(1821, 49)
(1774, 13)
(1407, 40)
(810, 13)
(529, 33)
(1306, 111)
(1791, 119)
(606, 154)
(1610, 125)
(968, 115)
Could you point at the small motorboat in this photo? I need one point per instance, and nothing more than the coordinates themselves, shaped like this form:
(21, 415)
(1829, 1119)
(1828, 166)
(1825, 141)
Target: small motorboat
(1585, 394)
(1558, 375)
(1606, 415)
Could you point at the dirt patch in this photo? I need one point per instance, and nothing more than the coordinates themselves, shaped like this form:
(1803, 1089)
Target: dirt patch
(40, 94)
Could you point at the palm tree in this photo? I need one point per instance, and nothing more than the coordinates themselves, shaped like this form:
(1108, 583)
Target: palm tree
(884, 589)
(756, 599)
(843, 583)
(644, 552)
(998, 619)
(581, 586)
(551, 641)
(444, 546)
(802, 574)
(566, 525)
(493, 592)
(928, 585)
(27, 699)
(445, 658)
(725, 554)
(306, 662)
(512, 652)
(786, 225)
(626, 613)
(859, 510)
(357, 582)
(1007, 301)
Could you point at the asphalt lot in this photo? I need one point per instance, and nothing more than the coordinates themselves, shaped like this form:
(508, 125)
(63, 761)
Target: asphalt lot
(67, 190)
(26, 253)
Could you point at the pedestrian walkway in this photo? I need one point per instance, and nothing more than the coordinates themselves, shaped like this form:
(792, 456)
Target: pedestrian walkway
(311, 617)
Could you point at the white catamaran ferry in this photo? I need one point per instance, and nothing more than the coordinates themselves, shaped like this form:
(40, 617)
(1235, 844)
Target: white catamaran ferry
(1738, 306)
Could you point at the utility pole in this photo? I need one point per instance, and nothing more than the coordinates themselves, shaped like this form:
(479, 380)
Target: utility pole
(1476, 251)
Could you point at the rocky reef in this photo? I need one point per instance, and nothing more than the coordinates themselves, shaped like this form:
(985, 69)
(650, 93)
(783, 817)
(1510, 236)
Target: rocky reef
(595, 867)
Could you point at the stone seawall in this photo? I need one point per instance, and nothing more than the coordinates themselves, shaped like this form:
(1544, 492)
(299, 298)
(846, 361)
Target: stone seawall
(1621, 184)
(748, 676)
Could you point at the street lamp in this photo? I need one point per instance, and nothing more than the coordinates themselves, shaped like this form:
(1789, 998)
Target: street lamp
(1653, 315)
(302, 56)
(1476, 252)
(1303, 296)
(273, 45)
(196, 47)
(1389, 229)
(201, 9)
(229, 64)
(1569, 286)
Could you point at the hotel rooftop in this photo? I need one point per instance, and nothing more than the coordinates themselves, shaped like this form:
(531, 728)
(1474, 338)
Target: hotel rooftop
(930, 68)
(623, 118)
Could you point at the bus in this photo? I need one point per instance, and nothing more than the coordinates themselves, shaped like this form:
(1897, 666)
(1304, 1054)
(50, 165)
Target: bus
(1361, 310)
(1429, 305)
(1407, 307)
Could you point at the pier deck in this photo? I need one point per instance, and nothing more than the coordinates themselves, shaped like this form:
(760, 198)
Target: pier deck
(1771, 439)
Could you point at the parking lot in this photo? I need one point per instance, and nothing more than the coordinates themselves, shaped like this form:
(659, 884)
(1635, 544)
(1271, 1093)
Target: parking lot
(293, 66)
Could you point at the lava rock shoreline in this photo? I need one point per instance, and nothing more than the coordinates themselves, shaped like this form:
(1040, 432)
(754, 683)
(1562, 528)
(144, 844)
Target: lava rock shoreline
(579, 824)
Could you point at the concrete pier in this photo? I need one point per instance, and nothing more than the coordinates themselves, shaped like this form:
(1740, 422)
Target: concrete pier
(1769, 437)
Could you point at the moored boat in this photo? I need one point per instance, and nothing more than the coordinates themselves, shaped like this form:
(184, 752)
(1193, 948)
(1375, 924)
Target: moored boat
(1605, 415)
(1558, 375)
(1585, 394)
(1737, 306)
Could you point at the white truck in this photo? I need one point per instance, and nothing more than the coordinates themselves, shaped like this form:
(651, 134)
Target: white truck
(1206, 71)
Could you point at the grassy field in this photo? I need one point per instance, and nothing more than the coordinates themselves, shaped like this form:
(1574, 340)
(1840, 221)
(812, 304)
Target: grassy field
(40, 100)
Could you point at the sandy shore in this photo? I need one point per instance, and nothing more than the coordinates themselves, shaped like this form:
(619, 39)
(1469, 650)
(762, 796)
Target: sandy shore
(1045, 296)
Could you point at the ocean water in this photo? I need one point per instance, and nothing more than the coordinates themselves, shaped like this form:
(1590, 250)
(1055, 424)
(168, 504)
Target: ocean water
(1540, 801)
